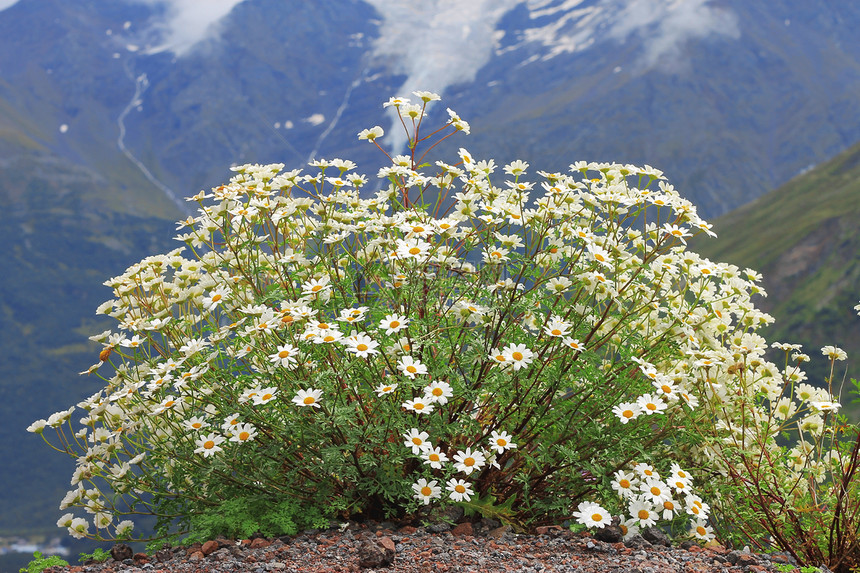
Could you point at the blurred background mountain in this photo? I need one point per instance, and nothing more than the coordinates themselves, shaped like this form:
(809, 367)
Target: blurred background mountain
(113, 111)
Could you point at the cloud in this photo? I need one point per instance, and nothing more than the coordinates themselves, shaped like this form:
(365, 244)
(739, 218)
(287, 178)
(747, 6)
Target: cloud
(435, 44)
(669, 24)
(187, 22)
(7, 3)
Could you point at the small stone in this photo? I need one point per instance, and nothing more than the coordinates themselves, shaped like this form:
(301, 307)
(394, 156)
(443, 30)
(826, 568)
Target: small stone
(545, 529)
(609, 534)
(438, 527)
(498, 532)
(655, 536)
(407, 530)
(196, 556)
(141, 558)
(387, 543)
(121, 552)
(637, 542)
(163, 555)
(259, 543)
(209, 547)
(373, 554)
(463, 529)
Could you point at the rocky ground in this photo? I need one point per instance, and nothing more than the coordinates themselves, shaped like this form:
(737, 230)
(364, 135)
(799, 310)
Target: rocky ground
(482, 547)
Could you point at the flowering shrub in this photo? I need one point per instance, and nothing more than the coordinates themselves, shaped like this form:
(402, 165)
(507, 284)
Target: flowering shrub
(784, 462)
(454, 334)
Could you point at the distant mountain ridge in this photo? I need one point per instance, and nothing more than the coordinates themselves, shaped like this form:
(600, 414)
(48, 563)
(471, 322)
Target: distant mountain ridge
(102, 133)
(730, 98)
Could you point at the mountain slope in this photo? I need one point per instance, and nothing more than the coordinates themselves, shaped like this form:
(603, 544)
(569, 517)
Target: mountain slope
(803, 238)
(59, 244)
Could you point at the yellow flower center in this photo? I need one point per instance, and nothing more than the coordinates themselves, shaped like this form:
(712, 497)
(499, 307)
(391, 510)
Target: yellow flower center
(216, 297)
(329, 338)
(426, 491)
(411, 369)
(266, 396)
(437, 392)
(209, 444)
(517, 355)
(624, 483)
(668, 505)
(418, 406)
(701, 530)
(417, 441)
(362, 347)
(394, 324)
(501, 442)
(655, 491)
(414, 251)
(433, 457)
(459, 488)
(244, 436)
(309, 400)
(627, 413)
(596, 517)
(644, 514)
(283, 354)
(316, 288)
(469, 462)
(651, 406)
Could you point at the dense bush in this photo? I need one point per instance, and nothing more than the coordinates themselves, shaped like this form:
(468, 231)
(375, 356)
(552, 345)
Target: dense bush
(534, 348)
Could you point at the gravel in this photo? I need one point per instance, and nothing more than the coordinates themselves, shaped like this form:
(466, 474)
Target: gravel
(481, 547)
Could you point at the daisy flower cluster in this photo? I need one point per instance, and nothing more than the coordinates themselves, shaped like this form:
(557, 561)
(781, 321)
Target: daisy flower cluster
(650, 499)
(455, 332)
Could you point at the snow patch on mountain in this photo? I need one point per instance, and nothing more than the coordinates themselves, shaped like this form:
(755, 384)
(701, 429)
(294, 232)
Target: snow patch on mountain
(571, 26)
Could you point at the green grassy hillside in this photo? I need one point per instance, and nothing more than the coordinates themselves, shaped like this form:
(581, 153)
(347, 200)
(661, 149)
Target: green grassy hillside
(805, 239)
